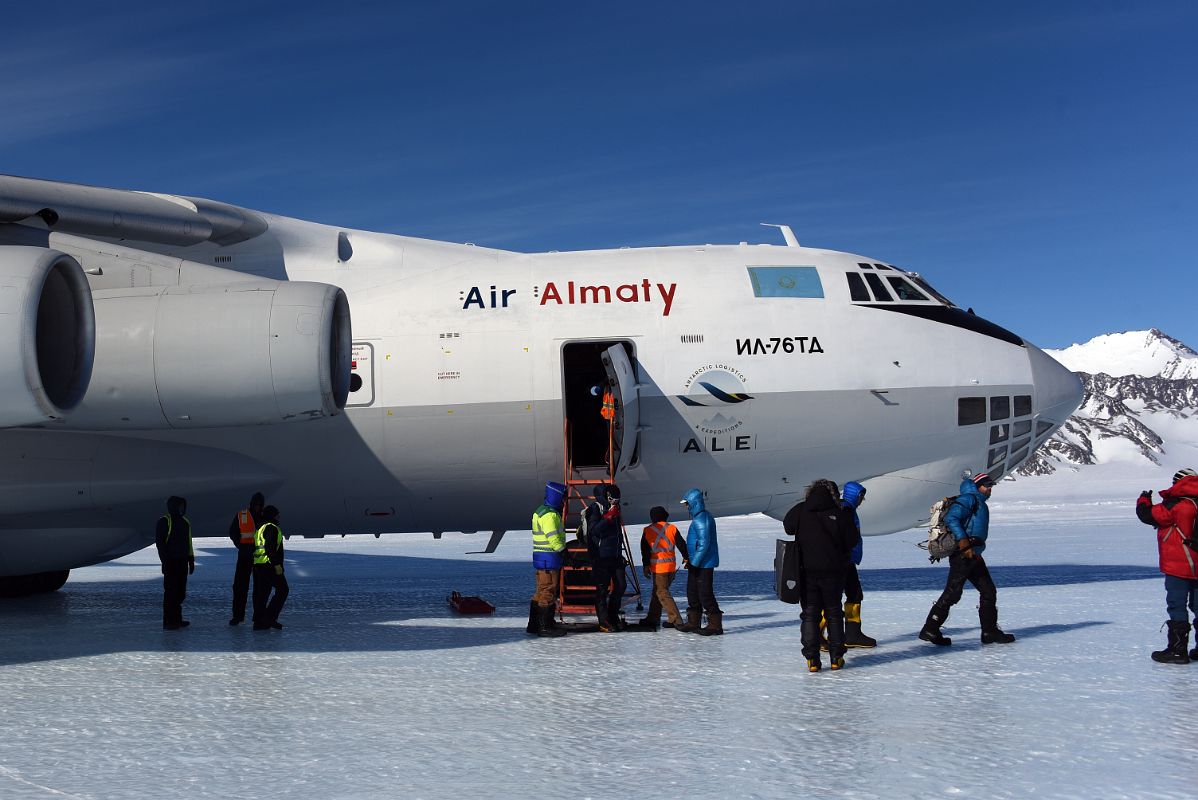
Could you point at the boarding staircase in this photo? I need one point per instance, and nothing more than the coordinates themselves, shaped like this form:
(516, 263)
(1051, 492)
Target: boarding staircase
(576, 595)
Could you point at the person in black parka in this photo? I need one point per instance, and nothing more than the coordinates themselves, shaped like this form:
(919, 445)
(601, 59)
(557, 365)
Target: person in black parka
(826, 536)
(172, 536)
(605, 540)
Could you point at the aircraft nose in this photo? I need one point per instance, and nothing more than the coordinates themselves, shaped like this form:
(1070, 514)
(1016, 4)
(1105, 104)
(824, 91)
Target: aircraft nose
(1058, 391)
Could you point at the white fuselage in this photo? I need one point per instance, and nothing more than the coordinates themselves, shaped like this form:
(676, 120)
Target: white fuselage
(458, 420)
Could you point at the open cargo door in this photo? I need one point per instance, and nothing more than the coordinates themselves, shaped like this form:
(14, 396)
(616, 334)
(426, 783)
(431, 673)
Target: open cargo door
(626, 426)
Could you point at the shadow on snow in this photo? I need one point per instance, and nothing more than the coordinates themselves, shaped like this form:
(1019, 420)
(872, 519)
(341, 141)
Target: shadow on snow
(347, 602)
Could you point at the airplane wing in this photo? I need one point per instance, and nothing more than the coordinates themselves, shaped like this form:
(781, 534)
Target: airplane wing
(124, 214)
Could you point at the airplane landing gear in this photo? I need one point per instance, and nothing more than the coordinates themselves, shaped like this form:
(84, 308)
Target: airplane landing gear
(37, 583)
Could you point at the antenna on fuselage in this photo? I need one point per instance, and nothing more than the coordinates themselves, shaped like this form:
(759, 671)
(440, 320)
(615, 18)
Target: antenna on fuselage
(787, 233)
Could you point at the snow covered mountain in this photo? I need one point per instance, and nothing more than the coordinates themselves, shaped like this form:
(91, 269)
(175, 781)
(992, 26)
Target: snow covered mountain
(1140, 404)
(1149, 354)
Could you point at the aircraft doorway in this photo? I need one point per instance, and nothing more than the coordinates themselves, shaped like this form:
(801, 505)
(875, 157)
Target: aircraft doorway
(588, 369)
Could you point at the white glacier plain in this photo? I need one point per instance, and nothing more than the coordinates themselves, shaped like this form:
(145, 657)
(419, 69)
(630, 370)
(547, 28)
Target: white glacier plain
(376, 689)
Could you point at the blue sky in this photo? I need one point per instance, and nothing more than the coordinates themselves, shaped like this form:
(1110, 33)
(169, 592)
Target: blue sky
(1036, 161)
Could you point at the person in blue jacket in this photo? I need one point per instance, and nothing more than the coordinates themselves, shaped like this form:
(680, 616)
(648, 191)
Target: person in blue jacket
(851, 498)
(704, 558)
(969, 522)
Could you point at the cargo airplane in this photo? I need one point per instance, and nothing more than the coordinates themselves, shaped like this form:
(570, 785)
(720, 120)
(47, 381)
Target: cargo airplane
(159, 345)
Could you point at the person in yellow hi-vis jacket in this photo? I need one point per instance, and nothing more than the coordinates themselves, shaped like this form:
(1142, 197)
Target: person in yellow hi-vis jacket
(548, 546)
(268, 572)
(172, 537)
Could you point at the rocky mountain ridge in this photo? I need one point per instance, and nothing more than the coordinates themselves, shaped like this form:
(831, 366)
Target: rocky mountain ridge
(1121, 408)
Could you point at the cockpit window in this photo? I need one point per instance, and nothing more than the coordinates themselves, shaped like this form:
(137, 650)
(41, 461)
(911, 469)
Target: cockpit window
(904, 290)
(786, 282)
(922, 284)
(879, 290)
(881, 266)
(857, 290)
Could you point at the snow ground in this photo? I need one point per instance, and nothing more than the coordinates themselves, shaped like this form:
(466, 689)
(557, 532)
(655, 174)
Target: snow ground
(376, 690)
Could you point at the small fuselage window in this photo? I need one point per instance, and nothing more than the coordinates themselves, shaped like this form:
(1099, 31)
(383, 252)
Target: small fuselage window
(971, 410)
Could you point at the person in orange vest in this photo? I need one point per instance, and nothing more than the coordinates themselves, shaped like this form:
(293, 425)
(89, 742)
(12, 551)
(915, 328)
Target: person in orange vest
(241, 531)
(172, 536)
(608, 409)
(660, 544)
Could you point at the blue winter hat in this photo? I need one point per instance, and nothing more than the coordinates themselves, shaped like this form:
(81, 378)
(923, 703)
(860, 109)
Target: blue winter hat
(555, 494)
(853, 493)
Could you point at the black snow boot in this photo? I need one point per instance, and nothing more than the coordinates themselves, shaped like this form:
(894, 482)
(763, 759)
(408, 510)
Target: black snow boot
(546, 626)
(931, 627)
(533, 618)
(853, 637)
(1194, 652)
(1175, 651)
(991, 633)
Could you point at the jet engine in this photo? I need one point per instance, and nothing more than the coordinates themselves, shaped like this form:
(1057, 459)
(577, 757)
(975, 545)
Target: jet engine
(47, 335)
(217, 355)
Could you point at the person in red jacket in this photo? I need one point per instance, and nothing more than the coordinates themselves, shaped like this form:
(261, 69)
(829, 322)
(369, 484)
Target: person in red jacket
(1174, 519)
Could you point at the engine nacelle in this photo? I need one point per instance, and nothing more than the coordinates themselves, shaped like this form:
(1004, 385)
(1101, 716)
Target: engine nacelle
(203, 356)
(47, 335)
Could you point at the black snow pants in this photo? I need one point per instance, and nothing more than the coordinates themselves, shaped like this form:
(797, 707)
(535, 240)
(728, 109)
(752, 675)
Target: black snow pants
(821, 596)
(608, 599)
(700, 591)
(266, 605)
(974, 570)
(241, 579)
(174, 589)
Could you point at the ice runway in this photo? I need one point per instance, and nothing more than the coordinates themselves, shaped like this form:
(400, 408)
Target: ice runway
(377, 690)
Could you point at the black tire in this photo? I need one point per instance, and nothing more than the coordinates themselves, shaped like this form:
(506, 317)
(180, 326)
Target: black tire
(16, 585)
(47, 582)
(37, 583)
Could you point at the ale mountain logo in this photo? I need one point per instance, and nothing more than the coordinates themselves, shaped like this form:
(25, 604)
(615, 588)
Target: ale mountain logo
(716, 386)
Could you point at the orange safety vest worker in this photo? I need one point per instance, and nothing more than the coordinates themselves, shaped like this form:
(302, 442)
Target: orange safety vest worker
(609, 405)
(660, 536)
(246, 526)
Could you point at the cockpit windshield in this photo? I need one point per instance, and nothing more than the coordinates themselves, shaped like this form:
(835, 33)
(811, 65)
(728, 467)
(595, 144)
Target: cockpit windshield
(891, 288)
(922, 284)
(888, 288)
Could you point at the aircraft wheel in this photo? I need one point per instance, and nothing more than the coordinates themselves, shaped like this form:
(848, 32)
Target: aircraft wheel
(51, 581)
(37, 583)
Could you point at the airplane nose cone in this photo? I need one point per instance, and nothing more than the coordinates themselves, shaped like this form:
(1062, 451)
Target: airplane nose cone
(1058, 391)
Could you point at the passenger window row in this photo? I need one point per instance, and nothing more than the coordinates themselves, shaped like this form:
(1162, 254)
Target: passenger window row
(973, 411)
